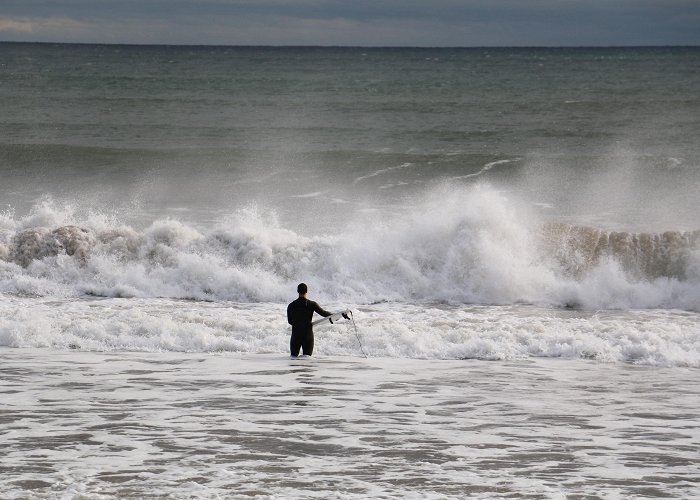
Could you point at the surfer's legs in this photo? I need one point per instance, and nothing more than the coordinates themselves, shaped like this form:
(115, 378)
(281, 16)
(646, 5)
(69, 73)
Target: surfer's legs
(308, 344)
(295, 345)
(304, 340)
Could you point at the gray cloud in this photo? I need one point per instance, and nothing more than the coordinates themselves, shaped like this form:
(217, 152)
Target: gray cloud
(358, 22)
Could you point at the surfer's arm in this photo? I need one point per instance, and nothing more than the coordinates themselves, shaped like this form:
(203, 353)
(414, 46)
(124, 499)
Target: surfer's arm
(321, 311)
(289, 316)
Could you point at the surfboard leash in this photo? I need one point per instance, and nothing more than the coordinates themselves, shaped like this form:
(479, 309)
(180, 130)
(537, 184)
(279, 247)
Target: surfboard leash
(357, 334)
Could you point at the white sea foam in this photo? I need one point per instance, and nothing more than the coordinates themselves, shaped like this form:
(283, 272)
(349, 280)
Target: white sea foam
(472, 246)
(396, 330)
(175, 425)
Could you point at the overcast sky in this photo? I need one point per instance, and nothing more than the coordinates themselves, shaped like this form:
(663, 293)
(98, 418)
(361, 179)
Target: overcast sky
(355, 22)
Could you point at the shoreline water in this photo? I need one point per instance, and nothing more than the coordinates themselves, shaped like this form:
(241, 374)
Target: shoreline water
(201, 425)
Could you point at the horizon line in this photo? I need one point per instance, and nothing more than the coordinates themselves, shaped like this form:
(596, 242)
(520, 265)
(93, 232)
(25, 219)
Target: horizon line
(318, 46)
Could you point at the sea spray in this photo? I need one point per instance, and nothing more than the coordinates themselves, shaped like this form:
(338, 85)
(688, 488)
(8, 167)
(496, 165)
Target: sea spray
(461, 246)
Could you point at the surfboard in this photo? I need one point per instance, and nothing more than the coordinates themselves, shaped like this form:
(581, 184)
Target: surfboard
(332, 318)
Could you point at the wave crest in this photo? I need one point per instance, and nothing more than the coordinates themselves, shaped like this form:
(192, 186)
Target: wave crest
(41, 242)
(471, 246)
(644, 256)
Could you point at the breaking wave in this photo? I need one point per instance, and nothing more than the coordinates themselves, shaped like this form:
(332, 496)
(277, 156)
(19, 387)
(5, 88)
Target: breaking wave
(457, 246)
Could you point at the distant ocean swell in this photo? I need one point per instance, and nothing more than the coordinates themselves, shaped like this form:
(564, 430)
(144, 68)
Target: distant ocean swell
(460, 246)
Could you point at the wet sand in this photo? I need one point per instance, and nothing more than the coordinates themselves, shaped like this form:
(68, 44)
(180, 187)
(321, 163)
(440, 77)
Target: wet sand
(176, 425)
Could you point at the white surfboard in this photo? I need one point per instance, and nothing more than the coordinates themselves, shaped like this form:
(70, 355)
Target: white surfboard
(332, 318)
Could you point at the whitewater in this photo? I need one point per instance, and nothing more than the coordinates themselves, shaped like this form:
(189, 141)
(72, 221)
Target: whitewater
(485, 282)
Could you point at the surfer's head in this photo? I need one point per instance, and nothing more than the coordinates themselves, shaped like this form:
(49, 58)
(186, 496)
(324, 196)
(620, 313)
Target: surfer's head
(302, 289)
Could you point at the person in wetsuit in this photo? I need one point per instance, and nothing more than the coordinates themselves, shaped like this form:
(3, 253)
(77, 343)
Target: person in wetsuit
(299, 315)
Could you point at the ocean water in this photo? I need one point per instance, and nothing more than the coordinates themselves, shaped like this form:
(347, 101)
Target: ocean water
(195, 425)
(505, 224)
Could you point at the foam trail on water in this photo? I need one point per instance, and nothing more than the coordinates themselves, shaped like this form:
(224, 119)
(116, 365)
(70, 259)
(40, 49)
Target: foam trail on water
(487, 167)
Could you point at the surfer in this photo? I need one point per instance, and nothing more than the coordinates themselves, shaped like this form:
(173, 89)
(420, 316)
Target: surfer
(299, 315)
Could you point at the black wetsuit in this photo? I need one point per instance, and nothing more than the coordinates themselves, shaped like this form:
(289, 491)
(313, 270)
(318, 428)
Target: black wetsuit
(299, 315)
